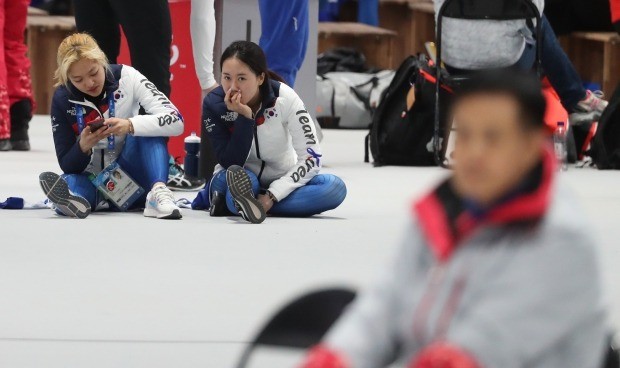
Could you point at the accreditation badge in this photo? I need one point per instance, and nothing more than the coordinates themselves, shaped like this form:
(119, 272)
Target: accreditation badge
(117, 186)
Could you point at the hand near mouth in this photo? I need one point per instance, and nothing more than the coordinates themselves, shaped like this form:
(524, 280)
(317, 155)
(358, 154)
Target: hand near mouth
(233, 103)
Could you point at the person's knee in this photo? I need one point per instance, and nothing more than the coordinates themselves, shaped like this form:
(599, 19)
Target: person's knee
(148, 142)
(255, 182)
(337, 190)
(218, 182)
(333, 190)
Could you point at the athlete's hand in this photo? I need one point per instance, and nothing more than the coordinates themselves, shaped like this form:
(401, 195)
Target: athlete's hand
(88, 139)
(265, 201)
(118, 126)
(233, 103)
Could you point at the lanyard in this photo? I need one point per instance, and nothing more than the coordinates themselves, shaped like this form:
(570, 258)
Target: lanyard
(79, 112)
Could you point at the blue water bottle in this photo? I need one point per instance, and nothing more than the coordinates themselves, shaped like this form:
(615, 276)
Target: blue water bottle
(192, 155)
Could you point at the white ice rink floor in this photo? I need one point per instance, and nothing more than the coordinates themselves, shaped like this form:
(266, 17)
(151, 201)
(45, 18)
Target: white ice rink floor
(121, 290)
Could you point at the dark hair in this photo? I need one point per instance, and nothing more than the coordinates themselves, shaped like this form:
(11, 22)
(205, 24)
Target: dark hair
(524, 87)
(253, 56)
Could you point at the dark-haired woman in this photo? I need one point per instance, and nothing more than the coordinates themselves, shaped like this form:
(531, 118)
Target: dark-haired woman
(266, 145)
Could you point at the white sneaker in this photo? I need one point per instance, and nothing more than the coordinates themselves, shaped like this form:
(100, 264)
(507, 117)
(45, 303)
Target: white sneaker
(160, 204)
(590, 109)
(592, 103)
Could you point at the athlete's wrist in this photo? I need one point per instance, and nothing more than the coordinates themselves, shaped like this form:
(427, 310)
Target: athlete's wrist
(272, 197)
(84, 147)
(131, 129)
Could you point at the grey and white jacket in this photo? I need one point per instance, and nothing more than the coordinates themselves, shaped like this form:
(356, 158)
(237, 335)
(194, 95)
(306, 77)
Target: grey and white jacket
(516, 287)
(483, 44)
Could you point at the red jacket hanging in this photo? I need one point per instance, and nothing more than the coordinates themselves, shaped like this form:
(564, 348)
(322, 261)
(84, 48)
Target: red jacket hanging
(615, 14)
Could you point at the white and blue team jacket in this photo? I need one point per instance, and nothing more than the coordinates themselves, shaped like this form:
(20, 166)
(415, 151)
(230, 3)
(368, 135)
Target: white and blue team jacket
(130, 91)
(280, 145)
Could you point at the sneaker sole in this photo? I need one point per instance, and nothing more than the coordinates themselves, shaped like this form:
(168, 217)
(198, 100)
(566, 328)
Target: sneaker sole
(179, 189)
(240, 187)
(57, 191)
(174, 215)
(579, 118)
(20, 146)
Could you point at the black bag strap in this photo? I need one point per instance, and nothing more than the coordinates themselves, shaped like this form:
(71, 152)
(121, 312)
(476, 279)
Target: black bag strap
(362, 96)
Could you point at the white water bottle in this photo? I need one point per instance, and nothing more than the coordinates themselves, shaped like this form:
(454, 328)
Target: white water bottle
(560, 146)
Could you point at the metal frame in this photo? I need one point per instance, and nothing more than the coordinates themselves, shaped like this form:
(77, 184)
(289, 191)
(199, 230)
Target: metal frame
(289, 328)
(437, 146)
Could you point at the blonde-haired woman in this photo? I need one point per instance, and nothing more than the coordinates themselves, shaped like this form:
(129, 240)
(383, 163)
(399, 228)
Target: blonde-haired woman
(98, 134)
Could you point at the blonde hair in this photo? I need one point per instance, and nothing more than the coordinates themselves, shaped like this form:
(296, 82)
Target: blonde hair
(72, 49)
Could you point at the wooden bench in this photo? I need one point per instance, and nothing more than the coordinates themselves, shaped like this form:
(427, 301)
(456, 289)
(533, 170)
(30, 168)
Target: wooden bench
(36, 11)
(596, 57)
(412, 20)
(43, 36)
(374, 42)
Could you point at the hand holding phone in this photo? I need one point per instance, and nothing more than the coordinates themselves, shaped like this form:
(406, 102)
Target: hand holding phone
(96, 124)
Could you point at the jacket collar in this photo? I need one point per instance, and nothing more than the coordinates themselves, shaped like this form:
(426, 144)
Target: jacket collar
(445, 222)
(109, 86)
(270, 98)
(268, 101)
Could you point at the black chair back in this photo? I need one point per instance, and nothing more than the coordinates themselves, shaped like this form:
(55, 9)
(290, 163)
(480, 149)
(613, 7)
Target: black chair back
(612, 356)
(490, 9)
(302, 323)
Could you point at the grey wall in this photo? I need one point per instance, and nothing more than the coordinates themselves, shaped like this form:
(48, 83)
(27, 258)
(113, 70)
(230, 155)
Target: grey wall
(233, 16)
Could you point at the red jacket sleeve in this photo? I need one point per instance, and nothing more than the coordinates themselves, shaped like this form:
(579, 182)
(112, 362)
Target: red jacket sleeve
(615, 10)
(443, 355)
(323, 357)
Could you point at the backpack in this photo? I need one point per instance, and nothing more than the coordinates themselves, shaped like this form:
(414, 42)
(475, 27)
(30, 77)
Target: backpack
(341, 59)
(348, 100)
(605, 147)
(401, 134)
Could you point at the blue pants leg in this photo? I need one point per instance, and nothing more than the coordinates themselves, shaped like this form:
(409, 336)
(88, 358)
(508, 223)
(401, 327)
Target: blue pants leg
(556, 66)
(323, 193)
(145, 159)
(80, 184)
(284, 35)
(560, 70)
(218, 184)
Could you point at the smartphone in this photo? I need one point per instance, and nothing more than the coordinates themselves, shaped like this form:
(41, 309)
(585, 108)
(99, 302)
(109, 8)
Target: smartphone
(96, 124)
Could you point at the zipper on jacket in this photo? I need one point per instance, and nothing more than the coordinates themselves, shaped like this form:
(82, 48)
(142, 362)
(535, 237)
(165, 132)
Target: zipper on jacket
(262, 166)
(96, 108)
(422, 312)
(421, 322)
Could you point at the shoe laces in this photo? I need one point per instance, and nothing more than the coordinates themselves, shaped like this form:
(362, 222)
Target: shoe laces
(163, 195)
(595, 98)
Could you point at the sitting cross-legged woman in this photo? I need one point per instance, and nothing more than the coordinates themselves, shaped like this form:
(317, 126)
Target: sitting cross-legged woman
(266, 145)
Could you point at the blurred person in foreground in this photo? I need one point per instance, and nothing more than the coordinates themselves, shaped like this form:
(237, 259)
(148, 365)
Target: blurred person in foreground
(497, 268)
